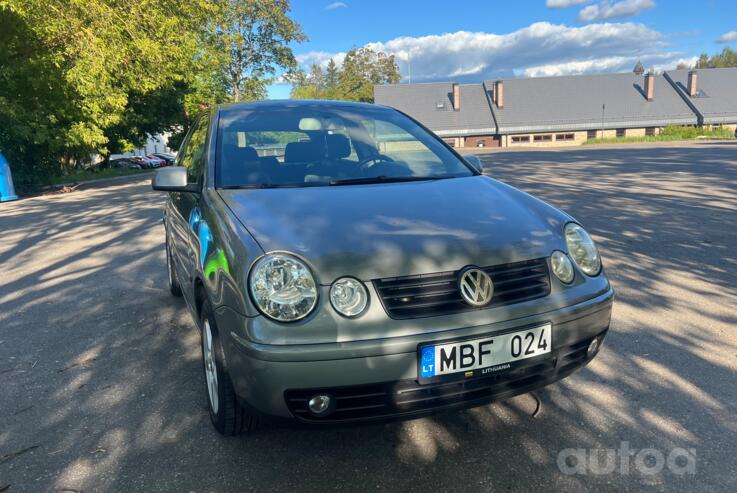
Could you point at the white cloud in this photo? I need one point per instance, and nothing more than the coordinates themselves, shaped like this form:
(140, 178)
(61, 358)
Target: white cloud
(614, 10)
(336, 5)
(658, 62)
(729, 37)
(561, 4)
(539, 49)
(605, 64)
(319, 57)
(672, 64)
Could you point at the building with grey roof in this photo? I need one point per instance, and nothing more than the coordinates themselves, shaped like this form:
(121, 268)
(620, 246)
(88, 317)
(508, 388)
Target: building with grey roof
(711, 93)
(609, 101)
(455, 112)
(566, 110)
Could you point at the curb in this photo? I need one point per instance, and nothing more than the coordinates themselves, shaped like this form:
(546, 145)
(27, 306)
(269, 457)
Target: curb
(89, 184)
(103, 182)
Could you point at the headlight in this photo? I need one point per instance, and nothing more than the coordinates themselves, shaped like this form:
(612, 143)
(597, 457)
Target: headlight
(283, 287)
(348, 296)
(562, 266)
(582, 249)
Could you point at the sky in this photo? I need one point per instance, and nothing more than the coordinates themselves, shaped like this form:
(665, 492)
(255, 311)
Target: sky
(470, 40)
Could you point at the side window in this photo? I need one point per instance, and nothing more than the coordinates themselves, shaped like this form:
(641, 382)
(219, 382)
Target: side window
(194, 152)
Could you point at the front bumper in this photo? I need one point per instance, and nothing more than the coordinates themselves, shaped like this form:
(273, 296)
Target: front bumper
(377, 379)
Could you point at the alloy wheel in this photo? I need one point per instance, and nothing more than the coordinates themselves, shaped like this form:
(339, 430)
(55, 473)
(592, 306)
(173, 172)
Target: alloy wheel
(211, 374)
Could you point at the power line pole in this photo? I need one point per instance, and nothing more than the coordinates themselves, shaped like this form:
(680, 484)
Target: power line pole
(409, 65)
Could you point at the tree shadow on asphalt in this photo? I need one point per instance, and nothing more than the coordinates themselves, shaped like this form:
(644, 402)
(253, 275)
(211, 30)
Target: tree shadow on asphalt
(105, 374)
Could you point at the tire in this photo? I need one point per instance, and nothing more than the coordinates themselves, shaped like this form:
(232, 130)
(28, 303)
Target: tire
(174, 287)
(226, 413)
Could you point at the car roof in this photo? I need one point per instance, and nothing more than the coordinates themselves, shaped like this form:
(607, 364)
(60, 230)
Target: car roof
(295, 103)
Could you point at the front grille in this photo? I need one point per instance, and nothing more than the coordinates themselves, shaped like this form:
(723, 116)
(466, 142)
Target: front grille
(407, 397)
(428, 295)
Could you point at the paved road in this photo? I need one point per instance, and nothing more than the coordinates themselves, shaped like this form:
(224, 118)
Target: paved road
(100, 384)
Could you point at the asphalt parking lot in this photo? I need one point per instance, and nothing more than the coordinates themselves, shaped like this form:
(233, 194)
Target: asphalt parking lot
(101, 386)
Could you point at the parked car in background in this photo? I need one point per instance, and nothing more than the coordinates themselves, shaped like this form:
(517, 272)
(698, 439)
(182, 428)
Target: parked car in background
(371, 273)
(149, 161)
(167, 158)
(138, 160)
(124, 162)
(157, 161)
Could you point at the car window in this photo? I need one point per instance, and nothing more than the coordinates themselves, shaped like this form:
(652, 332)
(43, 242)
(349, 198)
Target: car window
(192, 156)
(264, 143)
(321, 144)
(400, 145)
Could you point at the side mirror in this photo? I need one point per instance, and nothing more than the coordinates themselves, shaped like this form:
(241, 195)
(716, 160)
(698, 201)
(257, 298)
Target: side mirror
(173, 180)
(475, 162)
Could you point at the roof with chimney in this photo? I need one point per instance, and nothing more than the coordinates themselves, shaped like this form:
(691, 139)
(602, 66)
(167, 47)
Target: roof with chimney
(716, 93)
(432, 105)
(587, 102)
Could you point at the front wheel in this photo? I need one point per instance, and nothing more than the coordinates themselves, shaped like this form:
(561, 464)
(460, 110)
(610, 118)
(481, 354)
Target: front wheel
(226, 413)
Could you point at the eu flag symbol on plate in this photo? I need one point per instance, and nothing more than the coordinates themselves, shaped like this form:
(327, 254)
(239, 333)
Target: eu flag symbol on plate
(427, 362)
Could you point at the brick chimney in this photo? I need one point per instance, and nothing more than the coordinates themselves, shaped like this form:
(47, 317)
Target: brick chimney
(649, 85)
(456, 97)
(693, 83)
(499, 94)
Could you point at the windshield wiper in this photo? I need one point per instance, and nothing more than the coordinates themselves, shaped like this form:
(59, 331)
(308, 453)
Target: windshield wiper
(383, 179)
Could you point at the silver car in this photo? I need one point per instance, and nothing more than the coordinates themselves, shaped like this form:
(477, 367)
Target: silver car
(345, 265)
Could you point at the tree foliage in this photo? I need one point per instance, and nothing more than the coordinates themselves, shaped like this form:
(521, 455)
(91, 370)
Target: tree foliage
(38, 106)
(362, 68)
(82, 77)
(727, 58)
(253, 38)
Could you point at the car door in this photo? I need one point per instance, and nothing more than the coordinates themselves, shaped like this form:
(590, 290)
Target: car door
(185, 210)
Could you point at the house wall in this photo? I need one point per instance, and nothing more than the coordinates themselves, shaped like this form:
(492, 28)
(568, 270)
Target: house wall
(482, 141)
(474, 141)
(578, 138)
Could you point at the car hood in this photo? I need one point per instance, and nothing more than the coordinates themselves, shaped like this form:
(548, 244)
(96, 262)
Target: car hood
(398, 229)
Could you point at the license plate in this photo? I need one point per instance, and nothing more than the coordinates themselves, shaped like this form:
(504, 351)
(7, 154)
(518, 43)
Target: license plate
(486, 354)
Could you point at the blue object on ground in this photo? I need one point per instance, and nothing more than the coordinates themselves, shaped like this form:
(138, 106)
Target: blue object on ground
(7, 191)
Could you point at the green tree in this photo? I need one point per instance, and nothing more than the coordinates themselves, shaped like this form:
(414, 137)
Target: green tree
(363, 69)
(313, 85)
(354, 81)
(85, 67)
(82, 77)
(727, 58)
(332, 80)
(253, 39)
(38, 107)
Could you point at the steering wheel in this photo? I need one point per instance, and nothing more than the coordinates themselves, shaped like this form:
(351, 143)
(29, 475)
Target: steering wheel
(366, 163)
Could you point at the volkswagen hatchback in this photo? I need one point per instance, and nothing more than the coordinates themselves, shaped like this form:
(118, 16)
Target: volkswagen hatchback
(344, 264)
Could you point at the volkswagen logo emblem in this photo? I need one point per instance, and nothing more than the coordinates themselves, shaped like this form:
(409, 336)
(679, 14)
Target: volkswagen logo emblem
(476, 287)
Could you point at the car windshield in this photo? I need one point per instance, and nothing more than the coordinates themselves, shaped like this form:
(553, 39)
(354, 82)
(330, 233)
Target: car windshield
(299, 144)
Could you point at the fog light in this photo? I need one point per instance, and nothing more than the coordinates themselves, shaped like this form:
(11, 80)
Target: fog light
(562, 266)
(320, 405)
(594, 346)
